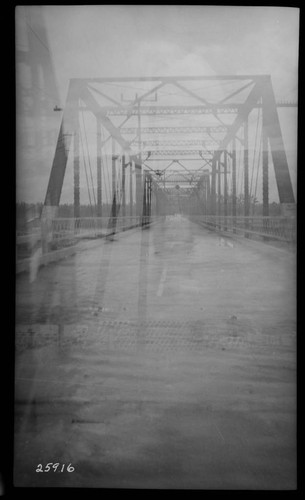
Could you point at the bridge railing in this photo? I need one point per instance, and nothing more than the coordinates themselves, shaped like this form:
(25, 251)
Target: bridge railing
(63, 232)
(92, 227)
(273, 228)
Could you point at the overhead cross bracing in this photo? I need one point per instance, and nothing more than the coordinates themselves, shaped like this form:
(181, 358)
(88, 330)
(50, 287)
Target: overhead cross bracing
(181, 110)
(179, 152)
(192, 142)
(176, 130)
(232, 119)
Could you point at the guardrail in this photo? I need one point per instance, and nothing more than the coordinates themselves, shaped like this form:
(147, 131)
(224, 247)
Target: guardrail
(31, 225)
(64, 232)
(94, 227)
(271, 228)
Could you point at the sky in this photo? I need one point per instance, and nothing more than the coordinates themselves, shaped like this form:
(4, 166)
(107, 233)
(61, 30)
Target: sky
(89, 41)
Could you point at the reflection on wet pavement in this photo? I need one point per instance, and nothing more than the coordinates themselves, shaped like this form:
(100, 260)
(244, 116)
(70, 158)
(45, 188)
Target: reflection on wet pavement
(165, 358)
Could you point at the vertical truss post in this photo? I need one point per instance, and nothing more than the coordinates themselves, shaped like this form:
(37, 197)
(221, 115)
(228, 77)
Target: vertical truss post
(66, 132)
(123, 186)
(265, 161)
(225, 186)
(113, 212)
(219, 184)
(149, 192)
(139, 130)
(76, 169)
(265, 171)
(246, 175)
(234, 182)
(246, 168)
(157, 201)
(139, 193)
(99, 167)
(272, 128)
(144, 210)
(53, 194)
(130, 188)
(208, 193)
(213, 186)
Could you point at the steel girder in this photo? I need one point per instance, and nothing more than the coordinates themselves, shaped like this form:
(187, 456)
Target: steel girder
(68, 127)
(260, 95)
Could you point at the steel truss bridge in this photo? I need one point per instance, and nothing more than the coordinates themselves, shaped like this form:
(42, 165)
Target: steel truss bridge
(212, 177)
(155, 296)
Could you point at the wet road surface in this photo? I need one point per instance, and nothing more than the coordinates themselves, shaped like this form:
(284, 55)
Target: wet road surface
(162, 359)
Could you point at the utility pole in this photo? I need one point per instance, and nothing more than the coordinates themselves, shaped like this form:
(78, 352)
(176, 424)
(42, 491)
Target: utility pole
(138, 166)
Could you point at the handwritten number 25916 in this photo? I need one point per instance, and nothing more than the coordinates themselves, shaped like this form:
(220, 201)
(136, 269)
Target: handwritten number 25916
(53, 467)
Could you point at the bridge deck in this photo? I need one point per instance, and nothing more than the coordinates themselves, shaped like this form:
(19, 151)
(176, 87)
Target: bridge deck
(165, 358)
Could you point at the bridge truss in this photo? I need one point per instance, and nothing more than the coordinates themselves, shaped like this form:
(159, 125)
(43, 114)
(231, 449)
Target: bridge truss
(232, 119)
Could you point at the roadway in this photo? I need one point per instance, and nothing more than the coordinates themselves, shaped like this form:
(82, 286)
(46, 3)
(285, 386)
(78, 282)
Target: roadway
(162, 359)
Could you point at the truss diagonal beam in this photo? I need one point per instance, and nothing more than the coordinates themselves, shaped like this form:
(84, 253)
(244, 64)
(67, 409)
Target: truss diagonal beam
(236, 92)
(241, 117)
(189, 92)
(68, 126)
(97, 110)
(273, 132)
(201, 99)
(106, 96)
